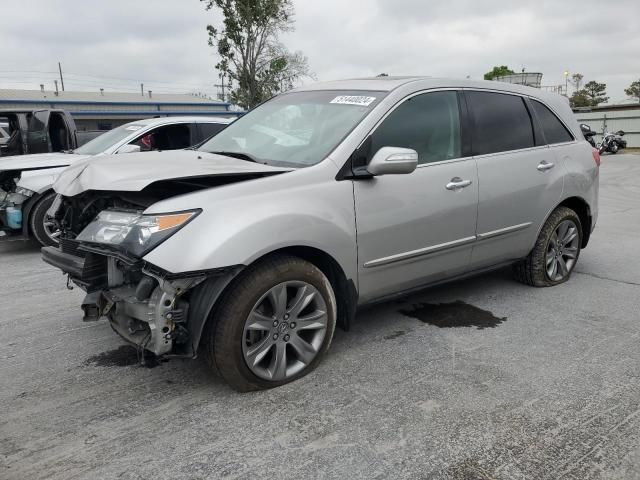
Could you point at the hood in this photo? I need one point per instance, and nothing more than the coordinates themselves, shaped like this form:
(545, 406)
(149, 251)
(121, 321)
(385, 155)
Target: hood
(132, 172)
(39, 160)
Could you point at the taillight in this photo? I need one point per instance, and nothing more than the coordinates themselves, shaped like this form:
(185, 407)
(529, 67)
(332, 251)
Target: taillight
(596, 156)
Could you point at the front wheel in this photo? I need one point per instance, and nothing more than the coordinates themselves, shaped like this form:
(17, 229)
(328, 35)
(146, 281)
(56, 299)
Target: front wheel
(41, 225)
(555, 253)
(274, 324)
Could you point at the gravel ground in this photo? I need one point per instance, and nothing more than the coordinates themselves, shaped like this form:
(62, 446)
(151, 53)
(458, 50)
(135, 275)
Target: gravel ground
(504, 381)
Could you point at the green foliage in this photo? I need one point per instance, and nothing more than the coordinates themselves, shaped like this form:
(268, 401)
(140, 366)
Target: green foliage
(251, 56)
(596, 92)
(633, 90)
(592, 95)
(579, 99)
(498, 71)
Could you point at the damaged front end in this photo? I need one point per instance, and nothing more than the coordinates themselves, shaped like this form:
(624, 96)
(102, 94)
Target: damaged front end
(104, 237)
(12, 200)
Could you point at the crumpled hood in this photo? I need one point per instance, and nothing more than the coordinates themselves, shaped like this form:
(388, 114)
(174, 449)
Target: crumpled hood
(39, 160)
(133, 172)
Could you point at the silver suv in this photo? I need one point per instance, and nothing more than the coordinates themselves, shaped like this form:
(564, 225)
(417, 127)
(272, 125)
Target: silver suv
(253, 247)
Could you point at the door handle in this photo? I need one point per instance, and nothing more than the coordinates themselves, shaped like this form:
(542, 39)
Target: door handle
(543, 166)
(457, 183)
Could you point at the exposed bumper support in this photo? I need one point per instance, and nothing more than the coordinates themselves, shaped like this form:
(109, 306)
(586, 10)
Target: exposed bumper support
(161, 312)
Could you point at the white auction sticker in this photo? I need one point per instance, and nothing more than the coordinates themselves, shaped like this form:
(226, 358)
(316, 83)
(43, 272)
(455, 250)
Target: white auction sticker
(354, 100)
(133, 128)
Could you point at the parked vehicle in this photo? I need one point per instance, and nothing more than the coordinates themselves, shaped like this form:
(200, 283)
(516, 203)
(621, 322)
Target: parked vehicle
(589, 134)
(612, 142)
(37, 131)
(254, 246)
(26, 181)
(4, 135)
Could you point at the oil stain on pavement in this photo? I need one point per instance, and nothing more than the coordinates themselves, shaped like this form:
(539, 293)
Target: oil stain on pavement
(453, 315)
(123, 356)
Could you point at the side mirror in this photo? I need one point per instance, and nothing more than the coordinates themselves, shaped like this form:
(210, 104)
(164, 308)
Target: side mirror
(129, 148)
(393, 161)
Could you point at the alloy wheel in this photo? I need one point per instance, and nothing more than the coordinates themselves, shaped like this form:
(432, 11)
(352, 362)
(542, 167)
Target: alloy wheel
(285, 330)
(51, 229)
(562, 251)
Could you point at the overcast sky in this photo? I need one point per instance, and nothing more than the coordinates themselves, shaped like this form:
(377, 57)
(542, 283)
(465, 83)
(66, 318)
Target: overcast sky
(119, 43)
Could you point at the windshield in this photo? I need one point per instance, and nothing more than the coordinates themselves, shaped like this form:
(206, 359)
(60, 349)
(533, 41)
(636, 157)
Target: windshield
(295, 129)
(107, 139)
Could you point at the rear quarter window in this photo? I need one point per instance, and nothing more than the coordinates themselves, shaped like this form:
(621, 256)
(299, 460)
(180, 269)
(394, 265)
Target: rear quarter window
(554, 130)
(501, 122)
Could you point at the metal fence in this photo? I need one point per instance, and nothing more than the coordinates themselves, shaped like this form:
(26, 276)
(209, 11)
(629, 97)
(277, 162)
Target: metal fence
(612, 121)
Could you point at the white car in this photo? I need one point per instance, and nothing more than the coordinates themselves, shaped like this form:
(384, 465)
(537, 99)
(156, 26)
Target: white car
(26, 181)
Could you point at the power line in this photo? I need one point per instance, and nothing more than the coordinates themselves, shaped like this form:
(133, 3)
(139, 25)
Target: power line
(99, 77)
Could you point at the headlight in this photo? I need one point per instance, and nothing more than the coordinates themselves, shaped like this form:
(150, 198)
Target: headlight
(134, 232)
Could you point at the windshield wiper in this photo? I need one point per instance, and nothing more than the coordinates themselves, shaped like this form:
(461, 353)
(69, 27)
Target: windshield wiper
(240, 155)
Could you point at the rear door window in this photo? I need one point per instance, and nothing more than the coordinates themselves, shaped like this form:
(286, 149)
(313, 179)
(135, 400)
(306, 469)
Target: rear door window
(554, 130)
(501, 122)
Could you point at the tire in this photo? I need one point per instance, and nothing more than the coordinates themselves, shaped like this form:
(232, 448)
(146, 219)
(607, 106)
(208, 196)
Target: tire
(37, 221)
(230, 333)
(532, 270)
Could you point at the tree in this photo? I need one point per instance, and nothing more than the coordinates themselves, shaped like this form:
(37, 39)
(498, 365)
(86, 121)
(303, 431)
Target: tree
(633, 90)
(251, 56)
(576, 80)
(596, 92)
(580, 99)
(500, 71)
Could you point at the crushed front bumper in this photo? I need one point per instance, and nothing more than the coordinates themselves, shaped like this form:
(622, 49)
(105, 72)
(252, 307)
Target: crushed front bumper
(152, 309)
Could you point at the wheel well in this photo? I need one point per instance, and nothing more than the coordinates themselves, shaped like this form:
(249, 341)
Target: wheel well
(583, 211)
(344, 288)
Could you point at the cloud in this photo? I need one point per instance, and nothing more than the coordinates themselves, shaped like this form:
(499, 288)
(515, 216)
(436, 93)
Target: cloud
(163, 43)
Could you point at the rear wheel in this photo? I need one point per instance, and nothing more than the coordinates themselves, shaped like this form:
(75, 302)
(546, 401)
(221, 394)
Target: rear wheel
(274, 324)
(555, 253)
(41, 226)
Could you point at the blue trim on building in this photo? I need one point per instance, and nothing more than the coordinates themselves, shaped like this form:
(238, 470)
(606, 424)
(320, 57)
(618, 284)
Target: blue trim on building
(153, 113)
(53, 102)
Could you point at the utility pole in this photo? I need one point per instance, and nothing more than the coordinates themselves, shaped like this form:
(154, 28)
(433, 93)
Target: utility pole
(222, 86)
(61, 79)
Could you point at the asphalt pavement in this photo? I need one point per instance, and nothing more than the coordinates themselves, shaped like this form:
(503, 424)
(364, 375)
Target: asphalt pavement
(480, 379)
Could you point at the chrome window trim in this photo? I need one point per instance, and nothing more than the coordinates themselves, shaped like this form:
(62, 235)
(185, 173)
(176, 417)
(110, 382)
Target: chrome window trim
(510, 152)
(443, 162)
